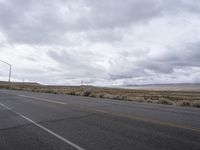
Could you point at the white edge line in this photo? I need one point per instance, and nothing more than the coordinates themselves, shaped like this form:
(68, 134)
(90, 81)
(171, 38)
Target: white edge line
(45, 129)
(42, 99)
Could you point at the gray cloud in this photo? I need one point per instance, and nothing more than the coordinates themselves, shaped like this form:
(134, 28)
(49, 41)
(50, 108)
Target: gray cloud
(47, 22)
(177, 6)
(76, 64)
(102, 42)
(175, 59)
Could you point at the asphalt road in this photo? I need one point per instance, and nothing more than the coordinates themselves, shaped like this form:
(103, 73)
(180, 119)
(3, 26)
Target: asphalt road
(39, 121)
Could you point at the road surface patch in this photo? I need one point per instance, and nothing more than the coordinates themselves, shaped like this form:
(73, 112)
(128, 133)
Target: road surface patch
(44, 128)
(43, 99)
(124, 115)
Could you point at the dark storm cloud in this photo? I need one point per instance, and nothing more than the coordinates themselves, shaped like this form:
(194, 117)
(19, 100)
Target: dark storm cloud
(187, 56)
(192, 52)
(144, 66)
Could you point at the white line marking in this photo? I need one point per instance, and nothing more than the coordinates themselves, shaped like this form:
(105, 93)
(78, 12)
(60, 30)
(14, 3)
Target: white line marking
(43, 128)
(43, 99)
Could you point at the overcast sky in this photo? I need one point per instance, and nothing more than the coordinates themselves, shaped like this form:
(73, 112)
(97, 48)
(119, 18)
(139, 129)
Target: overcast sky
(103, 42)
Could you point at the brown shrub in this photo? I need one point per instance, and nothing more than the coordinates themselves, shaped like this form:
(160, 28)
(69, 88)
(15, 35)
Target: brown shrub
(164, 101)
(184, 103)
(86, 93)
(196, 103)
(100, 95)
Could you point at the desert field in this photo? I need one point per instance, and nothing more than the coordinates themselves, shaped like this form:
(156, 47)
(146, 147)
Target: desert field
(187, 95)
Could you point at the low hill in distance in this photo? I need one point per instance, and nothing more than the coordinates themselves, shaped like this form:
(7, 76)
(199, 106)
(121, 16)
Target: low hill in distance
(167, 87)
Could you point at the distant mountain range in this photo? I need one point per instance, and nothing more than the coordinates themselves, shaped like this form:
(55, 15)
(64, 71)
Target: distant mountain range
(178, 86)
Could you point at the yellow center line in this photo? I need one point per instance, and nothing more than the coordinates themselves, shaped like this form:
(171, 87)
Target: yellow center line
(43, 99)
(139, 118)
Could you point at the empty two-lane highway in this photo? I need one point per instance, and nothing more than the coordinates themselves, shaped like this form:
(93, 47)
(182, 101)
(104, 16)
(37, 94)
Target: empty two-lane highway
(39, 121)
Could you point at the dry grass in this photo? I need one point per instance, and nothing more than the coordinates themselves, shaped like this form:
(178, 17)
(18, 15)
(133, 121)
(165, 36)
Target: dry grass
(184, 103)
(177, 98)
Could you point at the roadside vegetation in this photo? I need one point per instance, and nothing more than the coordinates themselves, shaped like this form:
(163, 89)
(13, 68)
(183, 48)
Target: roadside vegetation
(177, 98)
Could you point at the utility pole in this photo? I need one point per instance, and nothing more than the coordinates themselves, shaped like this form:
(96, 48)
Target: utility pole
(82, 85)
(10, 69)
(23, 83)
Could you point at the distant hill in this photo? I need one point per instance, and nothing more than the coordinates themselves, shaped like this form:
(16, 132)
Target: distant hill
(167, 87)
(159, 87)
(16, 83)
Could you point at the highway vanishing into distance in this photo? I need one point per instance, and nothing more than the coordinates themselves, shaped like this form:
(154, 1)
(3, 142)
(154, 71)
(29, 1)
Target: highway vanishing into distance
(41, 121)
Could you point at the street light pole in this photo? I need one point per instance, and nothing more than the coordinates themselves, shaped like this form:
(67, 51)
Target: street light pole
(10, 69)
